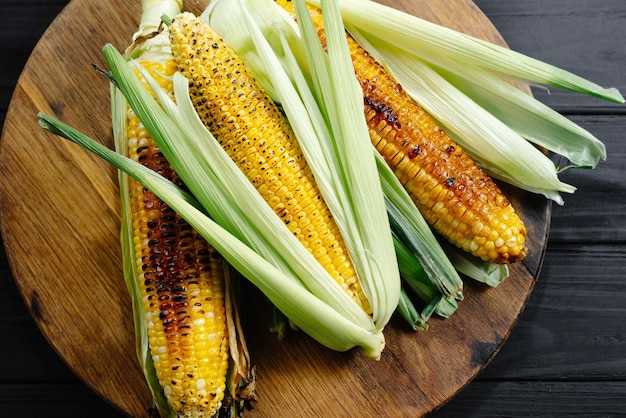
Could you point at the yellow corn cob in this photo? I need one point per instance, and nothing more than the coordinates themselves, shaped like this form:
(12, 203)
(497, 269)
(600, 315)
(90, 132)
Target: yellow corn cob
(182, 284)
(256, 135)
(451, 191)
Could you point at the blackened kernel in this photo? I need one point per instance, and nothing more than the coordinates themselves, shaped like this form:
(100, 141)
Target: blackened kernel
(450, 182)
(414, 151)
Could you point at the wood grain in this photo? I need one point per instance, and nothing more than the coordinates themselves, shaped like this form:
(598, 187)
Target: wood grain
(61, 224)
(542, 399)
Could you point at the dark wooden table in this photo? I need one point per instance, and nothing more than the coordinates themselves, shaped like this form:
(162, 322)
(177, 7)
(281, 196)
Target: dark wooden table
(567, 354)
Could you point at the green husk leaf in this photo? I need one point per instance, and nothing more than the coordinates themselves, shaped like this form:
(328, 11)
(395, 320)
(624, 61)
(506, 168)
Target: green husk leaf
(342, 98)
(407, 310)
(492, 274)
(412, 231)
(149, 42)
(527, 116)
(415, 277)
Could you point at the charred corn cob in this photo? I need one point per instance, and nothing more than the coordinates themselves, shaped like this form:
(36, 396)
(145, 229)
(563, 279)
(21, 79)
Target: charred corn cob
(191, 320)
(255, 134)
(183, 288)
(452, 192)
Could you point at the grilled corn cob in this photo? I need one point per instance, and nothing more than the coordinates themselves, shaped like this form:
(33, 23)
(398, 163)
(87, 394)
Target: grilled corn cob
(191, 322)
(255, 134)
(183, 288)
(452, 192)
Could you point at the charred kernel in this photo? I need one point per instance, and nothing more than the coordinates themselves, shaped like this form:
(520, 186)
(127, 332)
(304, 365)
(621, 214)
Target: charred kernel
(179, 305)
(414, 151)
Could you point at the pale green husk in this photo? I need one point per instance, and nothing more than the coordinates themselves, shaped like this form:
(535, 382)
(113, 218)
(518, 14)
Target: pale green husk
(440, 44)
(149, 42)
(414, 233)
(501, 151)
(491, 274)
(530, 118)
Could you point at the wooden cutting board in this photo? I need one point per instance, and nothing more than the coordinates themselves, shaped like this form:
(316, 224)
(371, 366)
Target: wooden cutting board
(60, 223)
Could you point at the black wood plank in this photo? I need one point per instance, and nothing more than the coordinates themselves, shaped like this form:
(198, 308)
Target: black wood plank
(53, 401)
(571, 327)
(23, 23)
(596, 212)
(537, 399)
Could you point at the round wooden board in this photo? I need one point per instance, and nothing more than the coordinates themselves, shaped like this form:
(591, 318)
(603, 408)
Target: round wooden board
(60, 223)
